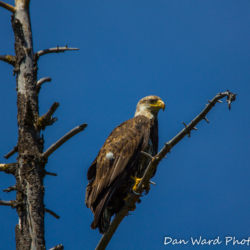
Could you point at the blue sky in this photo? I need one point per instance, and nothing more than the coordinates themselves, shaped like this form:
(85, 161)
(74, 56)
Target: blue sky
(183, 51)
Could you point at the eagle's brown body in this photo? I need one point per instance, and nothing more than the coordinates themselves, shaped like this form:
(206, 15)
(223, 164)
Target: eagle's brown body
(119, 158)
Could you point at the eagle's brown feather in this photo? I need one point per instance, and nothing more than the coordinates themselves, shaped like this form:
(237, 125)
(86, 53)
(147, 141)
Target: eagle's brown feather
(109, 177)
(126, 143)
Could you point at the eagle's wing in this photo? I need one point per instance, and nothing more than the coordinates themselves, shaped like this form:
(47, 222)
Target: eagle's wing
(119, 154)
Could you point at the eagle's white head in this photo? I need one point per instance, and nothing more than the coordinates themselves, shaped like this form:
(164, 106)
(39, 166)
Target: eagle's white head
(149, 106)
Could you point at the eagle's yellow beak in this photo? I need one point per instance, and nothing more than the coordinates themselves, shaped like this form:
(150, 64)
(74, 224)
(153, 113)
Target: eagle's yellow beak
(160, 104)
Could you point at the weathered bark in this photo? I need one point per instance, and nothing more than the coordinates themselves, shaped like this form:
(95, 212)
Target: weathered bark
(30, 169)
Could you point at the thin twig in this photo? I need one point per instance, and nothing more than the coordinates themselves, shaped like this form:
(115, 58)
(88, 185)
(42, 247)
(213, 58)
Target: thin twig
(152, 166)
(9, 59)
(52, 213)
(8, 7)
(13, 151)
(66, 137)
(53, 50)
(205, 118)
(58, 247)
(41, 81)
(49, 173)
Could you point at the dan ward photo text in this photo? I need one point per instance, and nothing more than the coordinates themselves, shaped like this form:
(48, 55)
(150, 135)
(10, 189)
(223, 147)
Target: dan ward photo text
(229, 240)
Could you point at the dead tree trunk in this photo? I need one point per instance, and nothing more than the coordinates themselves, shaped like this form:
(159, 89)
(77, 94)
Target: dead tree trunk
(29, 170)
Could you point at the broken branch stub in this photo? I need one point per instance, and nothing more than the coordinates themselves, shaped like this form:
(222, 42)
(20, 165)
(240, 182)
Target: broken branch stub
(9, 59)
(47, 119)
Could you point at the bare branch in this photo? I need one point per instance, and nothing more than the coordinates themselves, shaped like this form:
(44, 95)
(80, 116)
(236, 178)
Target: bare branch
(53, 50)
(66, 137)
(49, 173)
(152, 166)
(12, 203)
(58, 247)
(47, 119)
(52, 213)
(41, 81)
(8, 7)
(9, 59)
(13, 151)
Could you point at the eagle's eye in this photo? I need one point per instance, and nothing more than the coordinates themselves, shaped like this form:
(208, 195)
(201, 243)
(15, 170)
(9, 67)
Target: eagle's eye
(151, 101)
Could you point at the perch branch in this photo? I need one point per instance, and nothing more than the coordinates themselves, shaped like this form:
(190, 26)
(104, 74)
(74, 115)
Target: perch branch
(66, 137)
(9, 59)
(8, 7)
(41, 81)
(58, 247)
(53, 50)
(47, 119)
(13, 151)
(153, 165)
(52, 213)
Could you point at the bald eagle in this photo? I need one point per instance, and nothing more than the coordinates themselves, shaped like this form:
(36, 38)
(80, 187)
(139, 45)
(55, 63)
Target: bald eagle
(121, 158)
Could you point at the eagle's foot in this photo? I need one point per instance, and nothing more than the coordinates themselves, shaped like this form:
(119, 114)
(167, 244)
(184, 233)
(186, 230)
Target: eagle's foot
(137, 181)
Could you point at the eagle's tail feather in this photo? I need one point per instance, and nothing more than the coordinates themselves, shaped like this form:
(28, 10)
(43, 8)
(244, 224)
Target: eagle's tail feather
(105, 220)
(102, 216)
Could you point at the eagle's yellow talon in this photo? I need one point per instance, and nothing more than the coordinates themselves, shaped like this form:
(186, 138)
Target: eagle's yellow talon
(136, 180)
